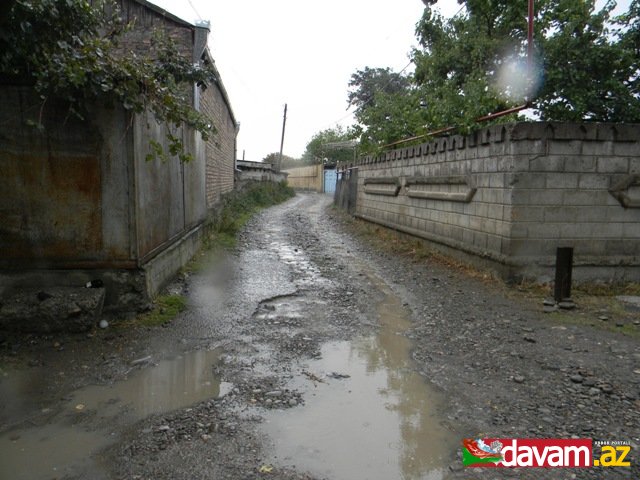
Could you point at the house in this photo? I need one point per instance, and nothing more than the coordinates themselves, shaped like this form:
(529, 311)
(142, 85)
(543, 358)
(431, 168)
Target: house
(79, 202)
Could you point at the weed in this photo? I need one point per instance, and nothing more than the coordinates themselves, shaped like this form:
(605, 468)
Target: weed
(239, 207)
(165, 309)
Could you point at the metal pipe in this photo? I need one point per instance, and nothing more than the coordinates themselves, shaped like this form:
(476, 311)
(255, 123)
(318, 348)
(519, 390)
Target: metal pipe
(440, 131)
(530, 37)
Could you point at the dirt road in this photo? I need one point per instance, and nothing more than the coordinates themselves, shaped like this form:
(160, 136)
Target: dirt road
(305, 354)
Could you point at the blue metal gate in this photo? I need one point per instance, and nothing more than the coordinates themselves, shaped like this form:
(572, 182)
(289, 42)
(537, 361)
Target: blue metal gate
(330, 179)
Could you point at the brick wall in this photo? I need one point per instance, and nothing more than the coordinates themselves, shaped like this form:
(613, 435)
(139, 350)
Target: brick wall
(513, 194)
(221, 146)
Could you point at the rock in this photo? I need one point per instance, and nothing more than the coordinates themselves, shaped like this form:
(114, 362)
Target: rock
(606, 388)
(164, 428)
(293, 402)
(576, 378)
(604, 318)
(274, 393)
(59, 309)
(549, 302)
(529, 338)
(103, 324)
(519, 379)
(567, 305)
(594, 391)
(549, 309)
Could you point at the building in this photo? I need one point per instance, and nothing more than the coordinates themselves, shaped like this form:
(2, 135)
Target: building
(79, 202)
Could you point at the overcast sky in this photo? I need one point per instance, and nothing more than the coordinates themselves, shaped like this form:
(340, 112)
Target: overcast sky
(301, 53)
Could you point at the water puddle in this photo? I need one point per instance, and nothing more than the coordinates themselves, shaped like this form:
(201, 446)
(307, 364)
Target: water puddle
(62, 442)
(367, 415)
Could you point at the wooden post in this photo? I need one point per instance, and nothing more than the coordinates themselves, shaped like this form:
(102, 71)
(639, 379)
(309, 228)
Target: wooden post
(284, 123)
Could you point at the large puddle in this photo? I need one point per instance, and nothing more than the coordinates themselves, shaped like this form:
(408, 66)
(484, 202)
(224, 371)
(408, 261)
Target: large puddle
(62, 442)
(367, 415)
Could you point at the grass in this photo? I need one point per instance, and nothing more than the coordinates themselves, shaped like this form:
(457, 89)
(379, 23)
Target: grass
(237, 209)
(166, 308)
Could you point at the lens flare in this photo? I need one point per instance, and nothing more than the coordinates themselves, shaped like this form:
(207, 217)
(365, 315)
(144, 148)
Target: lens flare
(518, 80)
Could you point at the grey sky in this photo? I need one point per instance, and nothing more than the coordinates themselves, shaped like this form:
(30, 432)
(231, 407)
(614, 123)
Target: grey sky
(301, 53)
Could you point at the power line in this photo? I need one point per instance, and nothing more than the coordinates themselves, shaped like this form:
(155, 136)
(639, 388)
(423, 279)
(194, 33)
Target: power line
(350, 114)
(194, 9)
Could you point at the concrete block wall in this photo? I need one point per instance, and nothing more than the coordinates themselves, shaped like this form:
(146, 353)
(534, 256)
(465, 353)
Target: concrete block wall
(512, 194)
(570, 183)
(450, 192)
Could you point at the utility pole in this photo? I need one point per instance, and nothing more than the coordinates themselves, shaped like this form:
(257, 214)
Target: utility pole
(284, 124)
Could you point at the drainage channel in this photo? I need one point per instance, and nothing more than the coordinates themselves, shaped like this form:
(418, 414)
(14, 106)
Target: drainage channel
(367, 414)
(64, 441)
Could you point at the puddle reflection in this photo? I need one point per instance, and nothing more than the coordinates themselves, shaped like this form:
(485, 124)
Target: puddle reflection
(380, 422)
(65, 444)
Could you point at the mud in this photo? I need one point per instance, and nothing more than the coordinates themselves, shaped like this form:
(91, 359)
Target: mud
(309, 354)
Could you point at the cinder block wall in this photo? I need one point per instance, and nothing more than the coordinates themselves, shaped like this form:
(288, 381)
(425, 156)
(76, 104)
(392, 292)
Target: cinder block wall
(510, 195)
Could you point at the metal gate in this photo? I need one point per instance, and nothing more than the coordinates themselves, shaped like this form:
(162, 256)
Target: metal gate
(330, 178)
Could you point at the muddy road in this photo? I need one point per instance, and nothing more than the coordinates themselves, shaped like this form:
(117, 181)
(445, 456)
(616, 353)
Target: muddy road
(305, 354)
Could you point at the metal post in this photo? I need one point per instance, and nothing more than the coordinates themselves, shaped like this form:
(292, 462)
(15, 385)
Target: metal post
(564, 266)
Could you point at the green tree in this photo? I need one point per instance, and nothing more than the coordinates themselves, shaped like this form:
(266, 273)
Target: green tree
(71, 50)
(287, 161)
(585, 62)
(324, 146)
(367, 86)
(585, 67)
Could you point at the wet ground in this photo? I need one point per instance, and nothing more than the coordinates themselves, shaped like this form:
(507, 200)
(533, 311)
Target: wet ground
(306, 354)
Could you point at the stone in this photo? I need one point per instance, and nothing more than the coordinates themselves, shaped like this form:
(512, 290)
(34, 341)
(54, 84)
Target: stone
(576, 378)
(59, 309)
(606, 388)
(567, 305)
(519, 379)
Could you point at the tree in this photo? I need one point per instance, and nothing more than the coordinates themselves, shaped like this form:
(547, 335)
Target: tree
(71, 49)
(585, 67)
(322, 147)
(287, 161)
(368, 85)
(586, 64)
